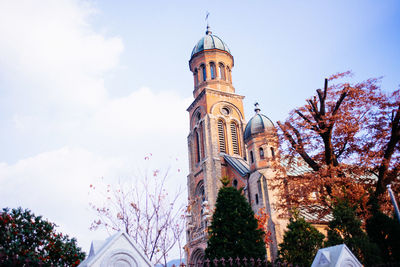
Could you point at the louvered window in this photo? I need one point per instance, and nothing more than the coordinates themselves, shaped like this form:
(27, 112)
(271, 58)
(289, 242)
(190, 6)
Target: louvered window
(235, 143)
(221, 136)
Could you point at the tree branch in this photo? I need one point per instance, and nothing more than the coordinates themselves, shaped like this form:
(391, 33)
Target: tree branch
(298, 146)
(384, 166)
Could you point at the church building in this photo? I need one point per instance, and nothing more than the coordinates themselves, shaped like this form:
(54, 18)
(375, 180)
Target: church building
(222, 143)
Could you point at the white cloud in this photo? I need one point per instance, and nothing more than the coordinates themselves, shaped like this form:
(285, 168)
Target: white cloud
(52, 64)
(55, 184)
(52, 48)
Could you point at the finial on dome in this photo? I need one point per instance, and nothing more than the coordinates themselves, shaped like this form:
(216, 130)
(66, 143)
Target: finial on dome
(208, 32)
(257, 108)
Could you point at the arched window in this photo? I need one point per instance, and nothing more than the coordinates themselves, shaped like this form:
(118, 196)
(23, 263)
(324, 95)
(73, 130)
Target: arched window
(197, 141)
(251, 157)
(203, 72)
(229, 74)
(201, 140)
(198, 117)
(272, 153)
(257, 199)
(261, 152)
(221, 136)
(196, 77)
(235, 183)
(212, 70)
(235, 143)
(200, 191)
(222, 71)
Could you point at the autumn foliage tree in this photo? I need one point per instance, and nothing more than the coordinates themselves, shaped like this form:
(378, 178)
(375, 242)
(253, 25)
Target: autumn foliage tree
(29, 240)
(262, 221)
(146, 210)
(347, 135)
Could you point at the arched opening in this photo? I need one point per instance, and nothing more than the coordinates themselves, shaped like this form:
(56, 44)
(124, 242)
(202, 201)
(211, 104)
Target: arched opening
(235, 183)
(257, 201)
(196, 77)
(212, 70)
(229, 74)
(198, 116)
(235, 142)
(261, 153)
(222, 71)
(201, 140)
(197, 141)
(251, 157)
(196, 258)
(203, 72)
(200, 191)
(221, 136)
(272, 153)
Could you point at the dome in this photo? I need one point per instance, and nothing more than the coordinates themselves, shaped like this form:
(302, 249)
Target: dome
(210, 41)
(257, 124)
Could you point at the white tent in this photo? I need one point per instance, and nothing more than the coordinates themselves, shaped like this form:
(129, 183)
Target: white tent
(117, 250)
(336, 256)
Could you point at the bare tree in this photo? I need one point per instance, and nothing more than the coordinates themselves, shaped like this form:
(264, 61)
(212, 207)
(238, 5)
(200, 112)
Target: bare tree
(146, 211)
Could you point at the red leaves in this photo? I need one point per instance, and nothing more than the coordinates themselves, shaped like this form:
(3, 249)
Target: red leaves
(343, 133)
(262, 220)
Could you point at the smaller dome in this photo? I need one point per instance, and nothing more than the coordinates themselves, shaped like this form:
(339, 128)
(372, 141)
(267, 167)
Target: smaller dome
(257, 124)
(210, 41)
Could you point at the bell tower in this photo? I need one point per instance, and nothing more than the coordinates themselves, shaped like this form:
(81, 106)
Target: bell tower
(216, 129)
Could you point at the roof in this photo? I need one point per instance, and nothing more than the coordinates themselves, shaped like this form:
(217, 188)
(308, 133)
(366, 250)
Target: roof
(313, 217)
(239, 164)
(296, 167)
(258, 124)
(210, 41)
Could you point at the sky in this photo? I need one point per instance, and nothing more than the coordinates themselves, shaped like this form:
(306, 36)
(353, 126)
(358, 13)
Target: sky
(89, 89)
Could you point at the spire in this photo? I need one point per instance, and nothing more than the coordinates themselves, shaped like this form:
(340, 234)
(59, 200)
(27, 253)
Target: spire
(257, 108)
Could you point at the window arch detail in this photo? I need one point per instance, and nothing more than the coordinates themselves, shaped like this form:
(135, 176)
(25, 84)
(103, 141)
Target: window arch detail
(251, 157)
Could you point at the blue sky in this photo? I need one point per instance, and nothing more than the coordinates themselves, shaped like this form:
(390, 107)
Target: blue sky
(89, 88)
